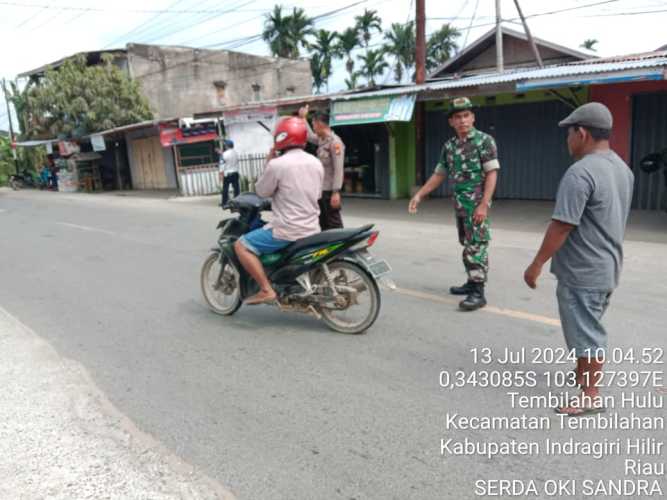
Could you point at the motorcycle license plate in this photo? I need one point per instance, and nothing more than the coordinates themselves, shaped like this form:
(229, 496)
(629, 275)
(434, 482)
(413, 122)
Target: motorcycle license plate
(377, 267)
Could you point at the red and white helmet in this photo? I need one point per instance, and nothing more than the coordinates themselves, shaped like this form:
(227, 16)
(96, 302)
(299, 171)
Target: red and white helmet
(290, 133)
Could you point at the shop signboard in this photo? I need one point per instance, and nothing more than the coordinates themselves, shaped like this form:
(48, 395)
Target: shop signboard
(98, 142)
(373, 110)
(198, 132)
(68, 148)
(258, 114)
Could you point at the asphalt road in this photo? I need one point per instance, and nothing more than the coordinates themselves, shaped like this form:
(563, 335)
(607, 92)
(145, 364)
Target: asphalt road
(274, 405)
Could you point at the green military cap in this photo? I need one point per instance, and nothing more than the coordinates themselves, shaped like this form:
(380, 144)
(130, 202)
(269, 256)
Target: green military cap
(459, 104)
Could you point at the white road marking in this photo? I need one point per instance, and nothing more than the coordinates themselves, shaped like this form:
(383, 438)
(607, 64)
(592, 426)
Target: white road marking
(86, 228)
(536, 318)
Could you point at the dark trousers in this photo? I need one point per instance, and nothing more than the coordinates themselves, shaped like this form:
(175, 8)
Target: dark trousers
(329, 217)
(230, 180)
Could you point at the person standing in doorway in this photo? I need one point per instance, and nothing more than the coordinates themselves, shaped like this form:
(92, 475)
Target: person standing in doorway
(229, 171)
(331, 152)
(585, 244)
(471, 160)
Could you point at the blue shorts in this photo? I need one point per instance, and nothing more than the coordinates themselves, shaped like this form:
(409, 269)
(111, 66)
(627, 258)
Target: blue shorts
(261, 242)
(581, 312)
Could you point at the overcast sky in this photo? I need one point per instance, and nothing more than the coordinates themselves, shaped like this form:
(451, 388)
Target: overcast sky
(36, 32)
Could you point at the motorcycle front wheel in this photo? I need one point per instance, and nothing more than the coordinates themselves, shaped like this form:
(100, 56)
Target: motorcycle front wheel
(357, 304)
(220, 285)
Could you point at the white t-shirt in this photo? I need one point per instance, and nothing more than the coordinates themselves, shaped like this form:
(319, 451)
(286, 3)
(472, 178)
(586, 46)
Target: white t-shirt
(229, 163)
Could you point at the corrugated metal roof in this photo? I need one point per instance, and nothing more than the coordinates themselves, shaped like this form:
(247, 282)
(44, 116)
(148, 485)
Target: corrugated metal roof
(592, 67)
(35, 143)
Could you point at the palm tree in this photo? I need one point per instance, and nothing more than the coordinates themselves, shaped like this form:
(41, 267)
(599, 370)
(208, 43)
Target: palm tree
(324, 47)
(590, 44)
(441, 45)
(401, 43)
(352, 82)
(348, 41)
(373, 64)
(366, 23)
(300, 28)
(276, 32)
(286, 34)
(318, 72)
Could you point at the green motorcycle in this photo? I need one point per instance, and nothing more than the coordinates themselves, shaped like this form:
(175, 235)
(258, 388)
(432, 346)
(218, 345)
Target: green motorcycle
(331, 275)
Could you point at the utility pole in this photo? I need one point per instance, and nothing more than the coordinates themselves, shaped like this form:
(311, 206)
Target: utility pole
(421, 41)
(11, 128)
(531, 40)
(420, 78)
(500, 66)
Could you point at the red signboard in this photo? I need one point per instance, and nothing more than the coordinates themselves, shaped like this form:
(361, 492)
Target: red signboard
(173, 136)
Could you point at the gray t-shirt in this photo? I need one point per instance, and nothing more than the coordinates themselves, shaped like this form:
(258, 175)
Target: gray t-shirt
(595, 195)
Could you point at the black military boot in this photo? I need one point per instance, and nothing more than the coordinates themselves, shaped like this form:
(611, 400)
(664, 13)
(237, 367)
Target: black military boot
(475, 298)
(464, 289)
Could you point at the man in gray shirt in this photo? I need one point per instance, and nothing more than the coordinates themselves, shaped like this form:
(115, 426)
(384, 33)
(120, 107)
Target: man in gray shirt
(585, 244)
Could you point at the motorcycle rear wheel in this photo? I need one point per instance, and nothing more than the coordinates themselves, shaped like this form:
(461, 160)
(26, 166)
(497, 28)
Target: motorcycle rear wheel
(220, 286)
(349, 274)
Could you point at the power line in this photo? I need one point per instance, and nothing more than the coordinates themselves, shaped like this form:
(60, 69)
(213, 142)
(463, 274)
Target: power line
(236, 43)
(245, 40)
(141, 26)
(199, 21)
(630, 13)
(472, 20)
(168, 23)
(217, 30)
(100, 9)
(31, 17)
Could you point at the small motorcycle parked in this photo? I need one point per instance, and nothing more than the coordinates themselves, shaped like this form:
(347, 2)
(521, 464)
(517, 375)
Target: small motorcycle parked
(26, 180)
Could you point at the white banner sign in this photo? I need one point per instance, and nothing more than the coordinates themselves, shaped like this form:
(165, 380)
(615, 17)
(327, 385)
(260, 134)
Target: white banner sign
(98, 143)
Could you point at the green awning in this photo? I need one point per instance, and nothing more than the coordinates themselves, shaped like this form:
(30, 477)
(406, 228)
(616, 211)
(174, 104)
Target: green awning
(373, 110)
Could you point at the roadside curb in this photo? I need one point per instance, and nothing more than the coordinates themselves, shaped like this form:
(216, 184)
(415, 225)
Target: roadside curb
(83, 425)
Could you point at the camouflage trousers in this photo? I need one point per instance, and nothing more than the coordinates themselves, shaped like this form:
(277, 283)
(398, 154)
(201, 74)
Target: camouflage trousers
(475, 240)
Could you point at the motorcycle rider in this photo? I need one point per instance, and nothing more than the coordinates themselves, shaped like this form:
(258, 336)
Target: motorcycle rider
(294, 182)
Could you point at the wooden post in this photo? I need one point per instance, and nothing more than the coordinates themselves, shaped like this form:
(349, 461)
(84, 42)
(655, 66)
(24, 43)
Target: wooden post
(420, 58)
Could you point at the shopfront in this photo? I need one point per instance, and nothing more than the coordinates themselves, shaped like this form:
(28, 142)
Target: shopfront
(194, 144)
(375, 131)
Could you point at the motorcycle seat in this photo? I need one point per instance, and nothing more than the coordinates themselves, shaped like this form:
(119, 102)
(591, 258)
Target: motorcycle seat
(330, 236)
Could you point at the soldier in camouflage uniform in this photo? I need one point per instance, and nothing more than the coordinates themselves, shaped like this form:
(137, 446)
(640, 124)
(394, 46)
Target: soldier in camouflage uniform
(471, 160)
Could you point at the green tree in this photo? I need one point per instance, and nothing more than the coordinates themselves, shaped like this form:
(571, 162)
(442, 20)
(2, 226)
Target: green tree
(19, 98)
(368, 22)
(353, 81)
(348, 41)
(400, 42)
(286, 35)
(75, 99)
(301, 27)
(590, 44)
(6, 161)
(317, 70)
(276, 32)
(373, 64)
(441, 45)
(324, 47)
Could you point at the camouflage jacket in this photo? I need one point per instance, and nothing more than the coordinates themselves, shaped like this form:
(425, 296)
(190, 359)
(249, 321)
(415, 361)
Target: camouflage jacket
(467, 161)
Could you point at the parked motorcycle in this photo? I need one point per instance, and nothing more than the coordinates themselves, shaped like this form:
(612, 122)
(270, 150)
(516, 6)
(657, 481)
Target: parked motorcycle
(25, 179)
(331, 275)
